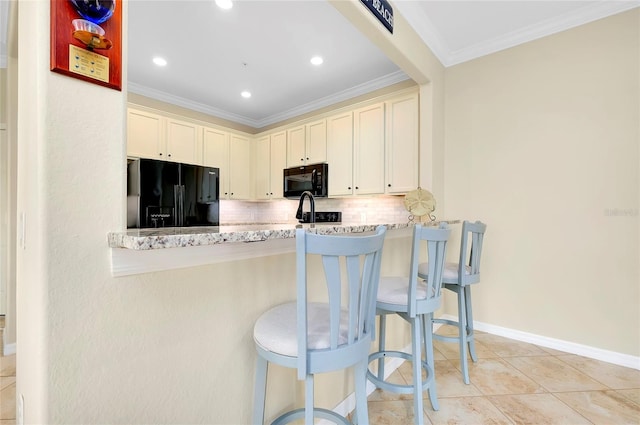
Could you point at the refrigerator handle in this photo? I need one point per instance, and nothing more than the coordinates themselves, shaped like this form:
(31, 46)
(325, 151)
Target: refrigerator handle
(178, 204)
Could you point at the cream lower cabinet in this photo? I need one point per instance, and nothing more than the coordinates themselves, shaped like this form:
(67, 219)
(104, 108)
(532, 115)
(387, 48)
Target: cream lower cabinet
(402, 141)
(231, 153)
(155, 136)
(307, 144)
(270, 159)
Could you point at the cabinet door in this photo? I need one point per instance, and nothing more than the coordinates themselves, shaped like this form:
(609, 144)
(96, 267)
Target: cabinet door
(278, 163)
(215, 153)
(368, 132)
(296, 146)
(402, 144)
(145, 135)
(239, 169)
(340, 154)
(316, 142)
(262, 167)
(183, 141)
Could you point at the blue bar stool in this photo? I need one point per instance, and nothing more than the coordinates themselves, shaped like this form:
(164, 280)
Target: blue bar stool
(323, 337)
(414, 300)
(458, 277)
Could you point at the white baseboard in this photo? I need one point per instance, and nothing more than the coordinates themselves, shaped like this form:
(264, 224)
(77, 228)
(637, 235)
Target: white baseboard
(349, 404)
(9, 349)
(560, 345)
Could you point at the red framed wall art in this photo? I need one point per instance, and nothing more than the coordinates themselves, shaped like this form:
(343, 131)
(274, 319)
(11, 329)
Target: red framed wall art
(86, 40)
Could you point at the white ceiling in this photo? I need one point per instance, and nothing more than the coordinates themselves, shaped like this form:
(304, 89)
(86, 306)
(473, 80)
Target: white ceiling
(264, 46)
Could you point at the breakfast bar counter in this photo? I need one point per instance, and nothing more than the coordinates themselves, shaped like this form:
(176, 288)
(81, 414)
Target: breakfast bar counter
(177, 237)
(136, 251)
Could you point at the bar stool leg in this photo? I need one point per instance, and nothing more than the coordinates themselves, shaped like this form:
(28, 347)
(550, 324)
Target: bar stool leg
(416, 344)
(381, 345)
(361, 414)
(259, 392)
(308, 399)
(428, 353)
(462, 333)
(469, 312)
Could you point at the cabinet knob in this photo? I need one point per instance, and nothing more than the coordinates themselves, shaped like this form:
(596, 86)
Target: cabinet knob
(357, 187)
(389, 185)
(349, 188)
(160, 154)
(169, 155)
(271, 193)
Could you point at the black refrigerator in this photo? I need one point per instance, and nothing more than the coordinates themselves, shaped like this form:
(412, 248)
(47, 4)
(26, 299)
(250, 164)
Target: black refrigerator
(170, 194)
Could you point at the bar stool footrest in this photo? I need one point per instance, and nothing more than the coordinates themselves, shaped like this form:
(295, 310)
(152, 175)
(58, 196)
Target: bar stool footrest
(398, 388)
(450, 338)
(292, 415)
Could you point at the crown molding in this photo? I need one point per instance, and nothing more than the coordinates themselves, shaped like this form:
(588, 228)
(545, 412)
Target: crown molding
(418, 19)
(542, 29)
(369, 86)
(352, 92)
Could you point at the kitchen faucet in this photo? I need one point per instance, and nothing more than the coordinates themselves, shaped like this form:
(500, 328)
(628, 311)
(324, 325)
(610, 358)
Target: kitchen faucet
(312, 214)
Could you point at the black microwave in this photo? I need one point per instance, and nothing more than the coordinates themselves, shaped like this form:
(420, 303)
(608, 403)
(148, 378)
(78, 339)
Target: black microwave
(312, 178)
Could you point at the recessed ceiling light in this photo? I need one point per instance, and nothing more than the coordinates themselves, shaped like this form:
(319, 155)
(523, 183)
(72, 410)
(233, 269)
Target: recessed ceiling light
(317, 60)
(224, 4)
(160, 61)
(246, 94)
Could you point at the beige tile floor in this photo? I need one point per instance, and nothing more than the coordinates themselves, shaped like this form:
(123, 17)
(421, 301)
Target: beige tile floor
(517, 383)
(512, 383)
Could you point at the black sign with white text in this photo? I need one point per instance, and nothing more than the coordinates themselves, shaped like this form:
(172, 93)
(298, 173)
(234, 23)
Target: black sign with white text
(382, 10)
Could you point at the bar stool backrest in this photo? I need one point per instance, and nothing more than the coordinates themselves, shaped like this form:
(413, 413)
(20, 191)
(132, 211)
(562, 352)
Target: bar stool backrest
(436, 242)
(352, 269)
(470, 252)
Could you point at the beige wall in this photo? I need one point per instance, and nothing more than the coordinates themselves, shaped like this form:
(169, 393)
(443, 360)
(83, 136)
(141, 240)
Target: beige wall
(8, 190)
(542, 144)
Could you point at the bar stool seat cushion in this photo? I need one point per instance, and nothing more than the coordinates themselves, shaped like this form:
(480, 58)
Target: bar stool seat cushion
(395, 290)
(450, 272)
(275, 330)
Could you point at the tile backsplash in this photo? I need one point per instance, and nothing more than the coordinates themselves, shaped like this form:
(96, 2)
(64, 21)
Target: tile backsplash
(383, 209)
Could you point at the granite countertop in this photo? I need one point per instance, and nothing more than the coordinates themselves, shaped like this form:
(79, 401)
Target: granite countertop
(175, 237)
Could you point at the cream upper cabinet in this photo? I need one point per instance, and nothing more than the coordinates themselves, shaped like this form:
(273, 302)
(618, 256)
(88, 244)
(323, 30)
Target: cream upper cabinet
(270, 158)
(316, 143)
(184, 143)
(155, 136)
(340, 154)
(231, 153)
(262, 167)
(402, 141)
(215, 148)
(215, 153)
(145, 134)
(278, 163)
(296, 151)
(239, 168)
(307, 144)
(368, 150)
